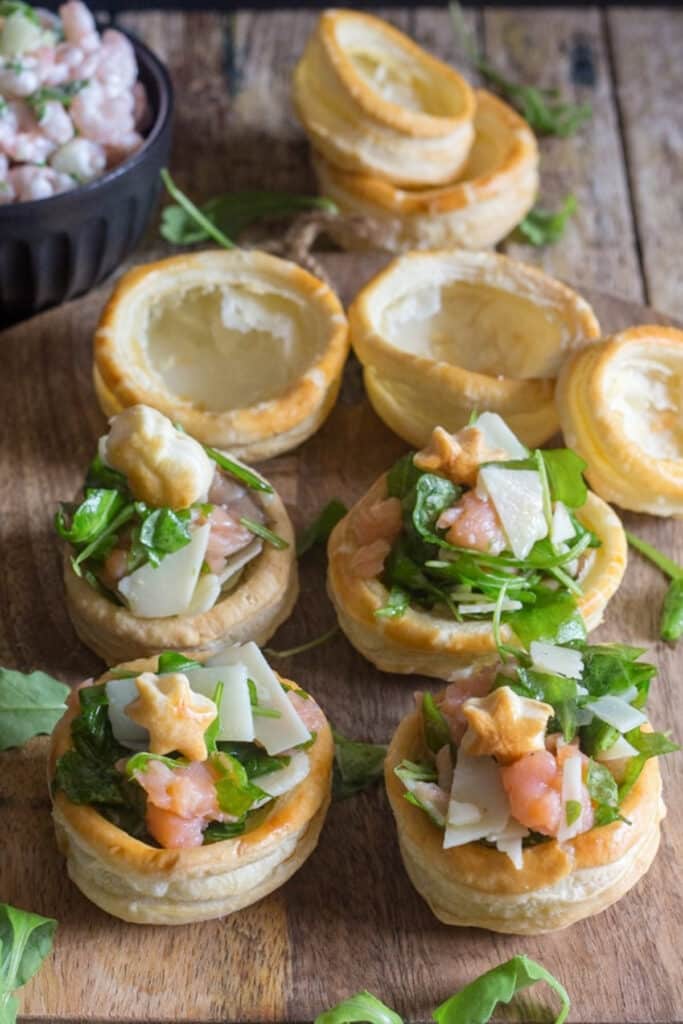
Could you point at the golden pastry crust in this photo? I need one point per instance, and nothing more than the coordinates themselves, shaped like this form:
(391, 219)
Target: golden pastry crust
(425, 643)
(243, 349)
(373, 101)
(621, 407)
(443, 334)
(494, 192)
(260, 602)
(148, 885)
(559, 883)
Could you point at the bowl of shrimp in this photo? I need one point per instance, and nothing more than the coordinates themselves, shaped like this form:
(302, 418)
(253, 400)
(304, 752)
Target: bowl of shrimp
(85, 128)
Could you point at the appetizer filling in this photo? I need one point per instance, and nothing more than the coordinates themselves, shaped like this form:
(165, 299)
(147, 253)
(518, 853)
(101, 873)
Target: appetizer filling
(477, 527)
(71, 105)
(166, 525)
(215, 745)
(546, 745)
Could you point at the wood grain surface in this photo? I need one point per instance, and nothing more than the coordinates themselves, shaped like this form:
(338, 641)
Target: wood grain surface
(350, 919)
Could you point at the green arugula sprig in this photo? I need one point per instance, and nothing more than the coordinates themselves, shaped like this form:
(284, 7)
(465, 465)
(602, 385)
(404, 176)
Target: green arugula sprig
(474, 1004)
(543, 109)
(322, 526)
(223, 217)
(545, 227)
(357, 765)
(30, 704)
(671, 622)
(25, 941)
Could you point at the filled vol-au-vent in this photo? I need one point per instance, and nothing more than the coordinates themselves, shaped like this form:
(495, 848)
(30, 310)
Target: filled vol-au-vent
(173, 545)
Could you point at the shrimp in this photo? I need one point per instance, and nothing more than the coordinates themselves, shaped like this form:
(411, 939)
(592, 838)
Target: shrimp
(79, 25)
(21, 137)
(473, 523)
(19, 77)
(180, 802)
(226, 537)
(368, 562)
(534, 787)
(117, 68)
(454, 696)
(31, 182)
(82, 159)
(55, 124)
(102, 118)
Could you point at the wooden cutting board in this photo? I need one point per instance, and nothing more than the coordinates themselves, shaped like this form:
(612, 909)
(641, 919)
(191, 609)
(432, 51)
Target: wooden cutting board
(350, 919)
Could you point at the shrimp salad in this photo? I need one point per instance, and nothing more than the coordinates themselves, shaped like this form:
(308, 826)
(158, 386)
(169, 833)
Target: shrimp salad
(476, 527)
(166, 526)
(546, 745)
(71, 105)
(190, 754)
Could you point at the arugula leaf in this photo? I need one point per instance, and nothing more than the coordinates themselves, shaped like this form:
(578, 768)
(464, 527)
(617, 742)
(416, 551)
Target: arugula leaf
(94, 513)
(554, 617)
(235, 792)
(433, 495)
(544, 227)
(672, 569)
(262, 531)
(211, 734)
(194, 213)
(140, 762)
(25, 942)
(671, 622)
(102, 543)
(411, 771)
(99, 474)
(572, 811)
(436, 731)
(598, 736)
(253, 758)
(160, 532)
(612, 668)
(171, 661)
(648, 744)
(397, 604)
(475, 1003)
(601, 785)
(217, 831)
(320, 529)
(565, 475)
(402, 477)
(234, 211)
(363, 1007)
(357, 765)
(241, 473)
(30, 704)
(301, 648)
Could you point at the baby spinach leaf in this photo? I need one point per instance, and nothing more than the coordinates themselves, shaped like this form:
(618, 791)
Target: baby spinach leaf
(544, 227)
(598, 736)
(363, 1007)
(235, 792)
(99, 474)
(253, 758)
(30, 704)
(565, 475)
(433, 495)
(436, 731)
(320, 529)
(397, 604)
(402, 477)
(648, 744)
(612, 668)
(101, 544)
(88, 520)
(25, 942)
(475, 1003)
(160, 531)
(553, 618)
(262, 531)
(86, 781)
(357, 765)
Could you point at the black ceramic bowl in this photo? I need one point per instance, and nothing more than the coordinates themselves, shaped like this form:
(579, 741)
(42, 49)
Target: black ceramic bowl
(54, 249)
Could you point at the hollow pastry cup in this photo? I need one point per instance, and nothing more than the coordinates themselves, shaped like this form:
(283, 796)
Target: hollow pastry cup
(263, 598)
(559, 883)
(426, 643)
(243, 349)
(372, 101)
(147, 885)
(620, 407)
(443, 334)
(475, 210)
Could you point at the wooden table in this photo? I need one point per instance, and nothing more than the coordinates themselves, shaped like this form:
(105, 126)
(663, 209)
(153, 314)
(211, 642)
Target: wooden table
(235, 127)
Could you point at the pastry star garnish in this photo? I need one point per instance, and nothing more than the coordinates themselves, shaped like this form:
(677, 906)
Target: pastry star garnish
(457, 456)
(505, 725)
(175, 717)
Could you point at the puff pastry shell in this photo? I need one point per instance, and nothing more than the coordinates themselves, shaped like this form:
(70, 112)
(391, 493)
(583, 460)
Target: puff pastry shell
(262, 599)
(441, 334)
(243, 349)
(374, 102)
(621, 408)
(493, 193)
(147, 885)
(558, 884)
(425, 643)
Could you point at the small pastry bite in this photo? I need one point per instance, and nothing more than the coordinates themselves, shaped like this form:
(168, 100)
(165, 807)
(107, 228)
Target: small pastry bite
(184, 791)
(621, 406)
(373, 101)
(244, 350)
(173, 545)
(471, 543)
(527, 795)
(444, 334)
(475, 210)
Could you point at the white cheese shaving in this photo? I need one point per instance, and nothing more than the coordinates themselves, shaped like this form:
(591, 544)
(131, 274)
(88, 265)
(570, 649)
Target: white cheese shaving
(161, 591)
(471, 608)
(476, 782)
(560, 661)
(206, 593)
(237, 721)
(120, 693)
(621, 748)
(617, 713)
(517, 495)
(572, 790)
(563, 528)
(497, 434)
(281, 781)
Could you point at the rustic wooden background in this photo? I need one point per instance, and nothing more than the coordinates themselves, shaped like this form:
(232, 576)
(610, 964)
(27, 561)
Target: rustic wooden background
(350, 919)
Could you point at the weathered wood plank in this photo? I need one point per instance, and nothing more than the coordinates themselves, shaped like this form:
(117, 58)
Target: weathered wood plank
(646, 53)
(566, 48)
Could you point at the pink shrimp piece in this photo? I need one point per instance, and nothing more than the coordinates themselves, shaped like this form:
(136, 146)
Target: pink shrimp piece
(307, 710)
(117, 67)
(473, 523)
(123, 148)
(455, 695)
(224, 490)
(180, 802)
(102, 118)
(55, 124)
(31, 182)
(534, 787)
(368, 561)
(227, 536)
(379, 521)
(20, 80)
(173, 832)
(79, 25)
(80, 158)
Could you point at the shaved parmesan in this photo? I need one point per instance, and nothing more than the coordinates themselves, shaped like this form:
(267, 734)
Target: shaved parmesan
(471, 608)
(517, 495)
(281, 781)
(159, 592)
(572, 791)
(497, 434)
(509, 842)
(237, 721)
(559, 661)
(120, 693)
(617, 713)
(621, 748)
(276, 734)
(563, 528)
(206, 593)
(476, 782)
(234, 563)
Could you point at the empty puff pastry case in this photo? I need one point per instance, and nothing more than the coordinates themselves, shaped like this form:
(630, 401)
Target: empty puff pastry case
(472, 542)
(173, 545)
(528, 796)
(620, 405)
(243, 349)
(186, 791)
